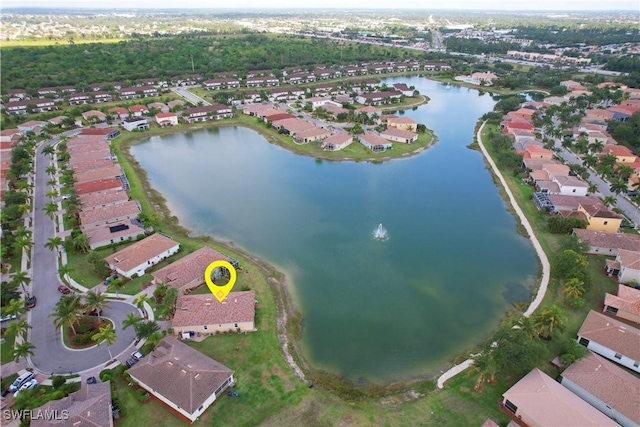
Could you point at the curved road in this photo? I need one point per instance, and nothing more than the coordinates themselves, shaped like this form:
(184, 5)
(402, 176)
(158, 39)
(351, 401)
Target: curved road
(51, 356)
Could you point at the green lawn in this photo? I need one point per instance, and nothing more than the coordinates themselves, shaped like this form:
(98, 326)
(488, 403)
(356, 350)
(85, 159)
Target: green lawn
(6, 348)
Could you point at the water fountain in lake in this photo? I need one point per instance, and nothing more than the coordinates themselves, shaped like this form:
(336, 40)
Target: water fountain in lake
(380, 233)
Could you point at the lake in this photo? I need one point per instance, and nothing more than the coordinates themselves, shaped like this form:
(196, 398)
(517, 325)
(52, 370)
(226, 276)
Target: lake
(373, 310)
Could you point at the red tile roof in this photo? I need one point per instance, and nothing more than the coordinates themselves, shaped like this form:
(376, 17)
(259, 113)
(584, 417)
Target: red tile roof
(199, 310)
(612, 334)
(99, 185)
(627, 300)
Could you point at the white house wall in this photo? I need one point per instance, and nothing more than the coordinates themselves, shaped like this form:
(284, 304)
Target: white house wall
(610, 354)
(597, 403)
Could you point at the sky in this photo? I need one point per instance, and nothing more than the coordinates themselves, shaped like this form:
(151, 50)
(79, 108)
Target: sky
(505, 5)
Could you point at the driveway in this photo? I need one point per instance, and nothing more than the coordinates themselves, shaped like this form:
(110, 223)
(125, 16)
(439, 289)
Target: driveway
(51, 356)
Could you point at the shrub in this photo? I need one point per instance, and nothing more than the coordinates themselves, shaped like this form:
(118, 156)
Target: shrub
(58, 381)
(82, 339)
(106, 375)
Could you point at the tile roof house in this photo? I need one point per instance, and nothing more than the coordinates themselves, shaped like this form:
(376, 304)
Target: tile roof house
(107, 133)
(612, 339)
(311, 135)
(600, 218)
(402, 123)
(537, 152)
(167, 119)
(99, 185)
(625, 305)
(188, 272)
(110, 171)
(629, 271)
(110, 214)
(399, 135)
(622, 153)
(91, 164)
(337, 142)
(608, 388)
(140, 256)
(94, 114)
(199, 316)
(182, 377)
(608, 243)
(101, 199)
(206, 112)
(115, 232)
(538, 400)
(90, 406)
(374, 142)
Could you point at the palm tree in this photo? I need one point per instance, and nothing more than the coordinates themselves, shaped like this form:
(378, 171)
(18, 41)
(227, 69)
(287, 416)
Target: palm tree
(528, 326)
(141, 298)
(573, 288)
(154, 339)
(550, 318)
(51, 170)
(15, 307)
(131, 320)
(67, 312)
(50, 209)
(619, 186)
(107, 334)
(64, 270)
(52, 194)
(52, 182)
(49, 150)
(23, 244)
(95, 301)
(170, 298)
(22, 351)
(146, 328)
(610, 201)
(21, 278)
(596, 146)
(19, 327)
(589, 160)
(81, 243)
(53, 243)
(593, 189)
(624, 172)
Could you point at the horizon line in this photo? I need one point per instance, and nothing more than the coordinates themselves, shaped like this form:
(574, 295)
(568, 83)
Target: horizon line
(241, 9)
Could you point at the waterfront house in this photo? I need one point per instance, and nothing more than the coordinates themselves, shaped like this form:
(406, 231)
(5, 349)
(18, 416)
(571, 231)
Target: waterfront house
(311, 135)
(182, 378)
(110, 171)
(102, 199)
(89, 406)
(100, 216)
(188, 272)
(199, 316)
(140, 256)
(626, 266)
(402, 123)
(625, 305)
(538, 400)
(116, 232)
(403, 88)
(135, 124)
(612, 339)
(377, 98)
(337, 142)
(399, 135)
(374, 142)
(167, 119)
(99, 185)
(207, 112)
(600, 218)
(538, 152)
(601, 243)
(608, 388)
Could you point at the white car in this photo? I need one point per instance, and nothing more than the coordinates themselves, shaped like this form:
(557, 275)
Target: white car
(29, 385)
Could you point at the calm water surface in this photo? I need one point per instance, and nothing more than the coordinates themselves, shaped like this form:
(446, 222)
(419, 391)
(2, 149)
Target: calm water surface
(373, 310)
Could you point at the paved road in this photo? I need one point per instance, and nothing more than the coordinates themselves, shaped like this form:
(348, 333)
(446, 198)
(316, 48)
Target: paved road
(50, 354)
(194, 99)
(631, 211)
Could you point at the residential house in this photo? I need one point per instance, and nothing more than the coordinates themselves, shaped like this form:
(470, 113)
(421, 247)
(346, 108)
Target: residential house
(167, 119)
(399, 135)
(207, 112)
(137, 92)
(107, 133)
(538, 400)
(119, 112)
(223, 83)
(622, 153)
(181, 377)
(377, 98)
(175, 103)
(135, 124)
(34, 126)
(94, 116)
(10, 137)
(110, 171)
(337, 141)
(601, 243)
(626, 267)
(158, 106)
(110, 214)
(374, 142)
(102, 96)
(36, 105)
(572, 85)
(102, 199)
(142, 255)
(117, 232)
(89, 406)
(537, 152)
(625, 305)
(311, 135)
(17, 94)
(571, 203)
(599, 114)
(138, 110)
(370, 111)
(188, 272)
(605, 386)
(79, 99)
(402, 123)
(199, 316)
(600, 218)
(612, 339)
(436, 66)
(99, 185)
(262, 81)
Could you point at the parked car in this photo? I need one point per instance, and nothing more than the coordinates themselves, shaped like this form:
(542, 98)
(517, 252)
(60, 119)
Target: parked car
(130, 362)
(19, 382)
(29, 385)
(92, 380)
(64, 290)
(137, 355)
(8, 317)
(232, 393)
(31, 301)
